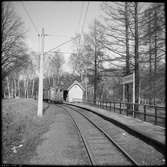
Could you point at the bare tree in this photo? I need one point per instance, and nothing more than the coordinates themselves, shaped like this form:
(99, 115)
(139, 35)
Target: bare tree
(54, 67)
(13, 47)
(153, 38)
(119, 37)
(88, 59)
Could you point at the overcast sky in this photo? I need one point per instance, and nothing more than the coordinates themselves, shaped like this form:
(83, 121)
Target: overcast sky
(60, 19)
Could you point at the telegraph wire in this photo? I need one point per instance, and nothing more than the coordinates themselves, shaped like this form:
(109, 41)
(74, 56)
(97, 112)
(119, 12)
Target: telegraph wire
(29, 17)
(61, 44)
(79, 21)
(57, 35)
(85, 17)
(63, 52)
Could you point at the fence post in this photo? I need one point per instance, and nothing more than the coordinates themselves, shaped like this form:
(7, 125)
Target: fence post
(127, 107)
(134, 110)
(144, 112)
(120, 108)
(114, 106)
(155, 115)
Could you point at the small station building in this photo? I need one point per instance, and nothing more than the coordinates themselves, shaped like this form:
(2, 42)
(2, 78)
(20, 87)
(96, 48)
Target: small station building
(75, 92)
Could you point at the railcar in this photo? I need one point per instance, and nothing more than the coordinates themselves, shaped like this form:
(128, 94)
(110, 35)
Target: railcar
(59, 96)
(53, 95)
(46, 95)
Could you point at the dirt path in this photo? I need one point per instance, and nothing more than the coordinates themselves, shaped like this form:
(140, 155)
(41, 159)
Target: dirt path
(61, 144)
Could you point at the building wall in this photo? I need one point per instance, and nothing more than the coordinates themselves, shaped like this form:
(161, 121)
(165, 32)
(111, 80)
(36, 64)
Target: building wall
(75, 94)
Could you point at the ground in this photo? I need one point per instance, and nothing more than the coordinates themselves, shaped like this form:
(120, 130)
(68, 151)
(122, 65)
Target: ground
(28, 139)
(50, 139)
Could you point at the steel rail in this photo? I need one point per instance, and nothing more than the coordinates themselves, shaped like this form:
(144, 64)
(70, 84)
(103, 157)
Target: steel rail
(91, 157)
(109, 138)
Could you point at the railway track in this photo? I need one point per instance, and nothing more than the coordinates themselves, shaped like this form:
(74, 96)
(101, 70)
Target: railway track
(100, 147)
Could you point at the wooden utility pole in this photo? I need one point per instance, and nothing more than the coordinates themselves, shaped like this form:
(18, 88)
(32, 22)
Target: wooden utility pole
(40, 89)
(86, 84)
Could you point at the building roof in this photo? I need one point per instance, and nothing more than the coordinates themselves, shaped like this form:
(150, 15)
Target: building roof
(76, 83)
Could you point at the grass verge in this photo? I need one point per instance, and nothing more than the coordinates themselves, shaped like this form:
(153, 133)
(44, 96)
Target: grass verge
(21, 129)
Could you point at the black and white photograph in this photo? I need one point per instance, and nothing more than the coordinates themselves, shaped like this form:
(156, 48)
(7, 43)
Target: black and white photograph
(83, 83)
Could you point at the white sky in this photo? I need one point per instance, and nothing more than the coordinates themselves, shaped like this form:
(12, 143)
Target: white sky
(60, 19)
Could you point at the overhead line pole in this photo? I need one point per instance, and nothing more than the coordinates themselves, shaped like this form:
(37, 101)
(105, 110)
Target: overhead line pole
(40, 89)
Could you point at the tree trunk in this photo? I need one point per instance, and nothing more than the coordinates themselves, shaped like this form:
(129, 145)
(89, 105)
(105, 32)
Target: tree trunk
(48, 81)
(8, 86)
(12, 88)
(18, 83)
(136, 56)
(95, 66)
(54, 81)
(27, 83)
(150, 63)
(24, 88)
(155, 53)
(127, 49)
(32, 93)
(15, 88)
(50, 78)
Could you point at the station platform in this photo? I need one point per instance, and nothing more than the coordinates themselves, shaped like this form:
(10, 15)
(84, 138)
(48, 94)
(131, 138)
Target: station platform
(151, 134)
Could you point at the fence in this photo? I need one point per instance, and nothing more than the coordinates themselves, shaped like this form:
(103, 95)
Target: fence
(149, 113)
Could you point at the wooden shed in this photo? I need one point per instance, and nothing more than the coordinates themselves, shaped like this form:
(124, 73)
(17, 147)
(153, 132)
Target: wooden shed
(75, 92)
